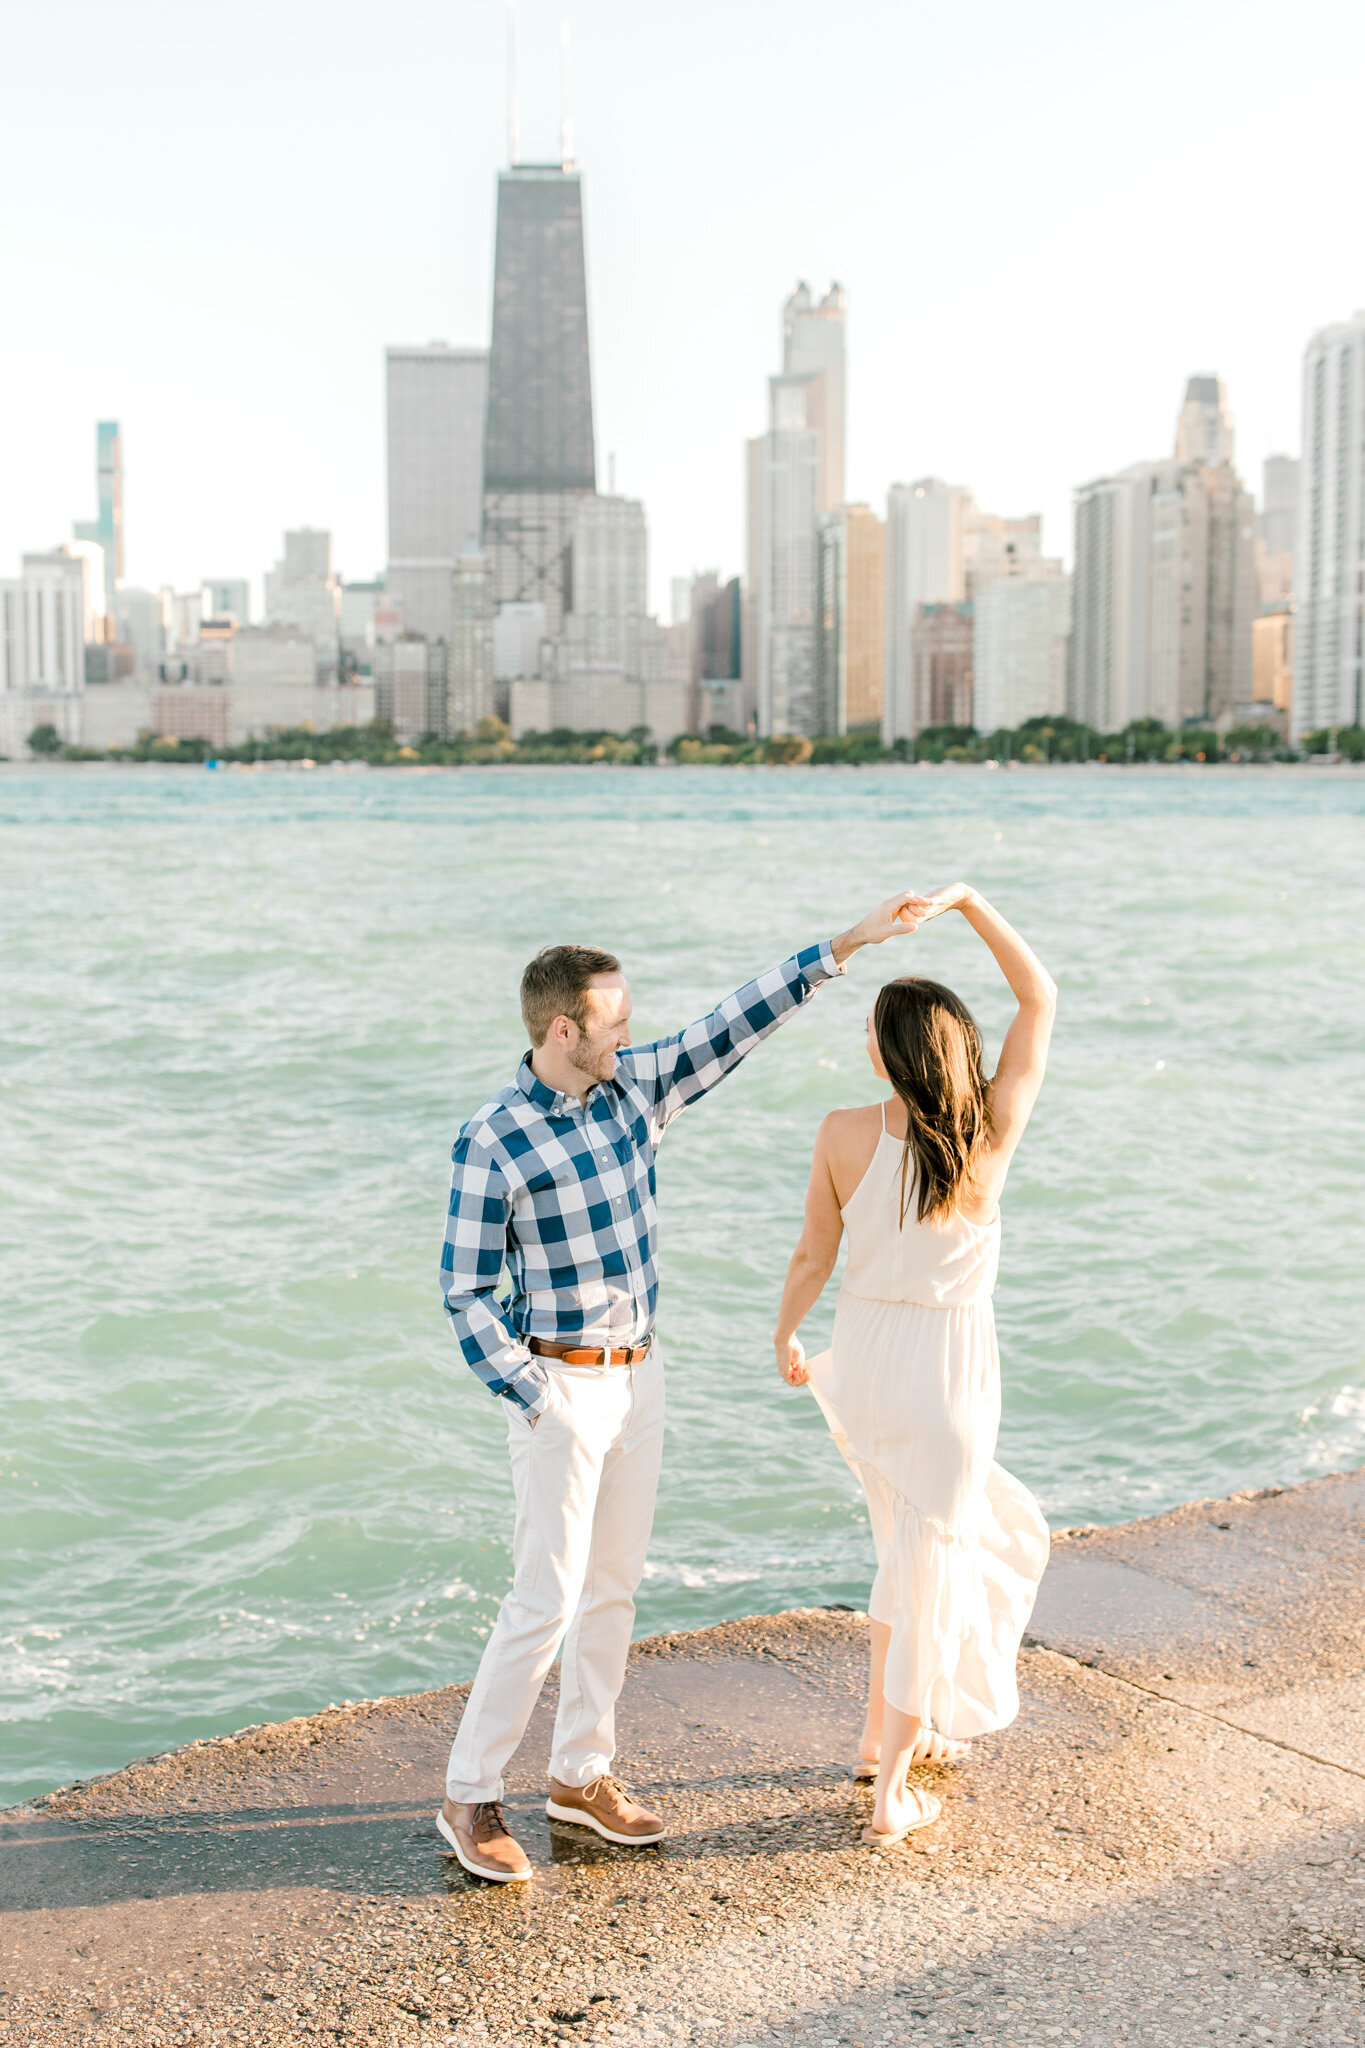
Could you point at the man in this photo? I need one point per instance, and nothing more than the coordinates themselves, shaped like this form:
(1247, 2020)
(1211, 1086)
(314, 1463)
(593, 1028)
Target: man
(554, 1177)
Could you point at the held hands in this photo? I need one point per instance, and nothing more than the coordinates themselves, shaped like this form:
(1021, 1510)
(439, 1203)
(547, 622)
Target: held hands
(952, 896)
(898, 915)
(791, 1361)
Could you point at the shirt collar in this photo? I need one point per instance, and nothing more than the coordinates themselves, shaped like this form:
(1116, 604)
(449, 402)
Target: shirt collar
(550, 1101)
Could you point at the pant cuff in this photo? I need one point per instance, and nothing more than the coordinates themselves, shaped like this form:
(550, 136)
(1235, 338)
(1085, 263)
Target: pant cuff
(579, 1775)
(460, 1794)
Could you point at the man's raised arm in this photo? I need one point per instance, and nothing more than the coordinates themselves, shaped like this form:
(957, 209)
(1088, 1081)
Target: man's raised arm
(471, 1260)
(677, 1070)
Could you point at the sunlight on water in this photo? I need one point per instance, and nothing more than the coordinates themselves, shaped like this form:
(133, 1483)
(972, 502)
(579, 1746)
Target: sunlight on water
(242, 1469)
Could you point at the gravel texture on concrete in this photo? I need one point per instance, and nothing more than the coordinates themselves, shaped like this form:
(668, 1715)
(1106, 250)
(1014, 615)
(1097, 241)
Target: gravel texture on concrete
(1168, 1845)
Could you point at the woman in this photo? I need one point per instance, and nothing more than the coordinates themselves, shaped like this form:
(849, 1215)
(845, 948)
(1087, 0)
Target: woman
(911, 1387)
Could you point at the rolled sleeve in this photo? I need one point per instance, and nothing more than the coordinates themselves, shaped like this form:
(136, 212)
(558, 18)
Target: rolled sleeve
(472, 1258)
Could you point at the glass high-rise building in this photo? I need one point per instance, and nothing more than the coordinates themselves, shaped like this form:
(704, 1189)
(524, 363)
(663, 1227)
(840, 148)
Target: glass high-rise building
(539, 431)
(107, 528)
(539, 454)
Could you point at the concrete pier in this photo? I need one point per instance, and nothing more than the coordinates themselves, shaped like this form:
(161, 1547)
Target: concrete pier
(1167, 1846)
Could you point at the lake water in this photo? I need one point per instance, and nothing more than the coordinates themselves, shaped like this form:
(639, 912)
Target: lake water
(243, 1471)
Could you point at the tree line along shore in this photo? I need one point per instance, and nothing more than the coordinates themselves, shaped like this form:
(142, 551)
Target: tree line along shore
(1037, 741)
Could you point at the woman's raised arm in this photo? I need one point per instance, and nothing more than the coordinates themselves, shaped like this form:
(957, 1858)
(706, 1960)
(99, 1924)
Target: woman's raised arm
(1023, 1056)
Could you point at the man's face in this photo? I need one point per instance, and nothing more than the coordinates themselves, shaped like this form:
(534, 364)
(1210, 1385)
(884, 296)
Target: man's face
(606, 1029)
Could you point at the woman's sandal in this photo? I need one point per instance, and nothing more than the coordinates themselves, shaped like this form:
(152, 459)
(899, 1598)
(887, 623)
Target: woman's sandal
(931, 1748)
(929, 1811)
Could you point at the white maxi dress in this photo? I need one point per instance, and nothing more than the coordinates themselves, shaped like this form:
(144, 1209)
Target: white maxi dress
(911, 1391)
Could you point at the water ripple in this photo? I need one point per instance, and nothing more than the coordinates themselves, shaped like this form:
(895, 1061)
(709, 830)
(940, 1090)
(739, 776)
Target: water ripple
(242, 1472)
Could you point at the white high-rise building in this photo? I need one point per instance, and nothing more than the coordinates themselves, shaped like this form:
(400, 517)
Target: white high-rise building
(813, 346)
(1107, 659)
(45, 614)
(784, 510)
(1019, 635)
(1329, 567)
(1164, 589)
(1279, 517)
(604, 622)
(795, 472)
(436, 402)
(925, 564)
(469, 665)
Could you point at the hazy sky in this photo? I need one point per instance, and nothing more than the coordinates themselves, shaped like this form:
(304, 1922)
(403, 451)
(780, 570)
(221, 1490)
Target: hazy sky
(1046, 216)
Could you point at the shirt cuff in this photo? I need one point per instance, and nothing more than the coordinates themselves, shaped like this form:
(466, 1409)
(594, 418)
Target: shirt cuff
(828, 962)
(531, 1385)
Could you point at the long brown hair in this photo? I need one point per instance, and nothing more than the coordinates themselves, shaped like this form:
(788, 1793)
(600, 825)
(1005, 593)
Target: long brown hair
(931, 1049)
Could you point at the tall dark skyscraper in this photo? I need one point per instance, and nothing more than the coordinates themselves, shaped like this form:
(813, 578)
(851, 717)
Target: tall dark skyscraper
(539, 459)
(539, 428)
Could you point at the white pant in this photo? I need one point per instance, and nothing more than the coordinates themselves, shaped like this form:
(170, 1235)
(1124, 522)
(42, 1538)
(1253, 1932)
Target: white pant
(585, 1479)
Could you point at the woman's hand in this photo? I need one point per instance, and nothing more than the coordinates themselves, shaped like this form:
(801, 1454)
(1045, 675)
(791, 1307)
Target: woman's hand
(952, 896)
(791, 1361)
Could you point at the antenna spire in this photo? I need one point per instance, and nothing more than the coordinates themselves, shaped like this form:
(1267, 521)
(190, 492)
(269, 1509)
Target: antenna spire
(565, 113)
(513, 134)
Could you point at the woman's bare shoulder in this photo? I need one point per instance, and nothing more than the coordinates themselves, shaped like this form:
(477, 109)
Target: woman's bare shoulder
(864, 1115)
(843, 1129)
(848, 1140)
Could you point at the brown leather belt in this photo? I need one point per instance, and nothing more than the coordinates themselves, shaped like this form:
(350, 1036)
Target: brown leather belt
(588, 1354)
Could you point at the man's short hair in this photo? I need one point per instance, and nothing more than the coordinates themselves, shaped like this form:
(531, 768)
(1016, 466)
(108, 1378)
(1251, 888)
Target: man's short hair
(556, 985)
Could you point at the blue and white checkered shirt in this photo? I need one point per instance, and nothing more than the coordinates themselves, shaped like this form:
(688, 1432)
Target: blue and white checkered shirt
(561, 1192)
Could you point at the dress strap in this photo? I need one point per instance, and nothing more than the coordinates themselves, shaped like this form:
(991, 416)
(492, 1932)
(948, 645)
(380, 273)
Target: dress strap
(883, 1119)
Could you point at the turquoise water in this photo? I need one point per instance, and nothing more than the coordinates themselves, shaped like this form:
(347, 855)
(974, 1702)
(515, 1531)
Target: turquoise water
(242, 1469)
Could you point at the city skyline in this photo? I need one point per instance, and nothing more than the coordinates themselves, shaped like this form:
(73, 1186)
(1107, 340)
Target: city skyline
(262, 417)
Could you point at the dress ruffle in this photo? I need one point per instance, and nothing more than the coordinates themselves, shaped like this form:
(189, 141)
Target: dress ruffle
(956, 1599)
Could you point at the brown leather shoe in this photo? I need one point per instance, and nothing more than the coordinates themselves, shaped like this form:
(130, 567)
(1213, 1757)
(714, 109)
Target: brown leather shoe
(608, 1807)
(481, 1839)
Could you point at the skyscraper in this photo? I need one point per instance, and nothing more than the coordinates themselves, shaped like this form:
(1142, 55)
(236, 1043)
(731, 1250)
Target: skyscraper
(850, 628)
(784, 510)
(1019, 635)
(539, 432)
(1276, 527)
(813, 346)
(539, 454)
(925, 564)
(795, 472)
(302, 591)
(1279, 503)
(1165, 580)
(1203, 432)
(436, 400)
(107, 527)
(469, 663)
(46, 618)
(1107, 656)
(1329, 569)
